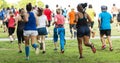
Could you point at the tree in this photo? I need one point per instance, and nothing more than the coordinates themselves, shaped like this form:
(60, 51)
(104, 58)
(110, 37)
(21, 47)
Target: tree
(3, 4)
(23, 3)
(40, 4)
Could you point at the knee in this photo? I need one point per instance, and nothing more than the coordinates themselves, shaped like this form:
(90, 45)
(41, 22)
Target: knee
(85, 43)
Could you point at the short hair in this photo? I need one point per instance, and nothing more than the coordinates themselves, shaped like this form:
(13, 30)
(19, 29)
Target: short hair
(11, 14)
(90, 6)
(57, 5)
(29, 7)
(72, 8)
(113, 4)
(58, 11)
(46, 6)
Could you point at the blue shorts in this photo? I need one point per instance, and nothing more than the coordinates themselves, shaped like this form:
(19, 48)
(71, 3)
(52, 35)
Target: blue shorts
(83, 31)
(42, 31)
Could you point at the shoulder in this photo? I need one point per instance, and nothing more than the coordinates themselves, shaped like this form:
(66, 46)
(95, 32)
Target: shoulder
(108, 13)
(100, 13)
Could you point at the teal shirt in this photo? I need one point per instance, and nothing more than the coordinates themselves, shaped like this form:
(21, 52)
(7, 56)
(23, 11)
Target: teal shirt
(105, 20)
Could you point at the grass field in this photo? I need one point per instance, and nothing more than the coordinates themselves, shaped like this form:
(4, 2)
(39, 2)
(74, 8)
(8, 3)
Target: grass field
(9, 53)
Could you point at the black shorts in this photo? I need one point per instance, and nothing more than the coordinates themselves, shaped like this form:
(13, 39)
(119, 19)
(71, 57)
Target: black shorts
(73, 26)
(11, 30)
(105, 32)
(20, 36)
(83, 31)
(114, 15)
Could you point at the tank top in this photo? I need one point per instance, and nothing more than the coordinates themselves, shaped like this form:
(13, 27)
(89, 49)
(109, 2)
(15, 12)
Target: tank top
(82, 22)
(31, 24)
(11, 22)
(20, 25)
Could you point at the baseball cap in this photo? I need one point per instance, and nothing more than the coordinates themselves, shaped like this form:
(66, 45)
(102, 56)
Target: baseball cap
(104, 8)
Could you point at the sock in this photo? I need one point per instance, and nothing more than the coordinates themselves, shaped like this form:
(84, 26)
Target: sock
(34, 46)
(27, 50)
(11, 38)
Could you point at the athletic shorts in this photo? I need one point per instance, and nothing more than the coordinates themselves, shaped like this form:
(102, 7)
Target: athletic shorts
(114, 15)
(42, 31)
(105, 32)
(83, 31)
(30, 33)
(73, 26)
(11, 30)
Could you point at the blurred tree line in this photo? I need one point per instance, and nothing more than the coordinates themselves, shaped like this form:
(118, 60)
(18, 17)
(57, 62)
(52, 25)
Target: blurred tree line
(21, 3)
(3, 4)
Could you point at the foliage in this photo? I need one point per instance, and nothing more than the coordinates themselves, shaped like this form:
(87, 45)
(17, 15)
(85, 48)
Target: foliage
(40, 4)
(23, 3)
(3, 4)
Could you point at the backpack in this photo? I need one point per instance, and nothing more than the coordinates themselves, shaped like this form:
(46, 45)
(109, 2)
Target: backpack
(118, 17)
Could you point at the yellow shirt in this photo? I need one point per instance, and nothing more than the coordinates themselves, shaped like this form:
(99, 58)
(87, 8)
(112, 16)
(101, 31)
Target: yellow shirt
(91, 13)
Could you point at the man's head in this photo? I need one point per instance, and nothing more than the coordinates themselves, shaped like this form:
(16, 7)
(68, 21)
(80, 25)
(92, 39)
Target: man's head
(103, 8)
(46, 6)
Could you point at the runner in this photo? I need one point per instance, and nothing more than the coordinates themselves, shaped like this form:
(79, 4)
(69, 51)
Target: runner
(30, 30)
(118, 20)
(104, 21)
(83, 31)
(42, 31)
(20, 27)
(11, 26)
(92, 15)
(48, 13)
(72, 24)
(59, 30)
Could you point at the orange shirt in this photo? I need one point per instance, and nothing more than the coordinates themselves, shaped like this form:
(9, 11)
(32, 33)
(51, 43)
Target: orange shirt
(71, 17)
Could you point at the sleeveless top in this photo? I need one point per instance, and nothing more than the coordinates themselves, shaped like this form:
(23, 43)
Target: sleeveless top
(31, 24)
(11, 22)
(82, 22)
(21, 24)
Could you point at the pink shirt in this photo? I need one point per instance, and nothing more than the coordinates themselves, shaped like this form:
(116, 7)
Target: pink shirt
(59, 19)
(48, 13)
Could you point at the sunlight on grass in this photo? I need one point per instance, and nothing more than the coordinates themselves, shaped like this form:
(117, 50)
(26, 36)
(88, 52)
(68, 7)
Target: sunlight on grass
(9, 53)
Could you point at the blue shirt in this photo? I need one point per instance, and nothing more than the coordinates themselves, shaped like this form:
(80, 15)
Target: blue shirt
(2, 13)
(105, 20)
(31, 24)
(65, 12)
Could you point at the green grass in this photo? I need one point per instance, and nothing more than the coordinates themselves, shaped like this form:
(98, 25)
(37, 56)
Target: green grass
(9, 53)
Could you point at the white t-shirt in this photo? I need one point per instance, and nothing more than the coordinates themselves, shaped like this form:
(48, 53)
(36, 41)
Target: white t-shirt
(42, 21)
